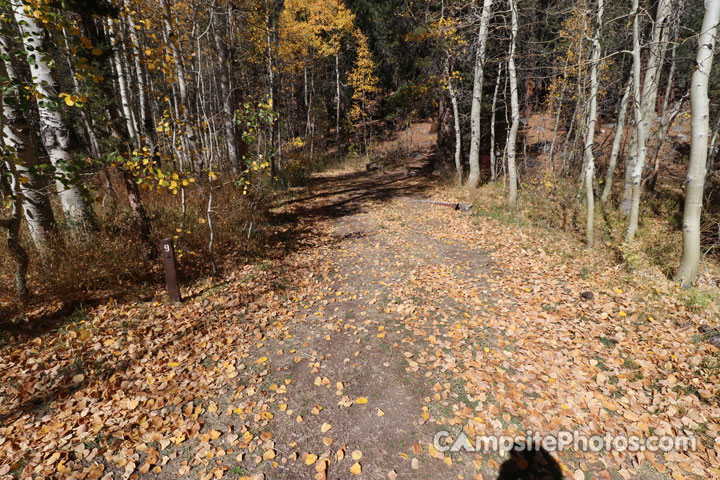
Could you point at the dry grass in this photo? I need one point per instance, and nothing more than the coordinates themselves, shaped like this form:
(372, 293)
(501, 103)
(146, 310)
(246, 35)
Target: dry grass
(554, 209)
(110, 261)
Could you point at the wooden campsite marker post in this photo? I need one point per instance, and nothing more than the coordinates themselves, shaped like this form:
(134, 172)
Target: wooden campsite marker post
(167, 250)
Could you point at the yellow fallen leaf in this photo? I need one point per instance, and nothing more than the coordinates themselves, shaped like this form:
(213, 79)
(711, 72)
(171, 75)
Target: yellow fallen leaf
(361, 400)
(261, 360)
(381, 413)
(356, 455)
(325, 427)
(356, 469)
(310, 459)
(173, 364)
(269, 455)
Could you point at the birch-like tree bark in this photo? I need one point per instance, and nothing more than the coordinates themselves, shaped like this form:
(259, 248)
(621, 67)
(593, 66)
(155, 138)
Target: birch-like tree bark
(227, 96)
(10, 184)
(122, 82)
(18, 136)
(54, 131)
(479, 74)
(590, 131)
(9, 181)
(184, 108)
(493, 156)
(645, 102)
(456, 119)
(515, 109)
(617, 142)
(695, 181)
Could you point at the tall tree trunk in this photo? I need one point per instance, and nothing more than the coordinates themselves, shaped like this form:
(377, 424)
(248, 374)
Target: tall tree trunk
(226, 93)
(189, 136)
(645, 102)
(493, 156)
(12, 224)
(474, 160)
(699, 149)
(54, 131)
(337, 106)
(145, 126)
(590, 133)
(18, 136)
(122, 82)
(515, 108)
(617, 142)
(456, 120)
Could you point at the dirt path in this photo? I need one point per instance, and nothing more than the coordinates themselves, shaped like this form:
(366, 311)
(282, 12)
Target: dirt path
(382, 322)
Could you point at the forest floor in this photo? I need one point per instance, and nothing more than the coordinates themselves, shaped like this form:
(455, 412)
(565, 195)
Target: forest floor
(379, 322)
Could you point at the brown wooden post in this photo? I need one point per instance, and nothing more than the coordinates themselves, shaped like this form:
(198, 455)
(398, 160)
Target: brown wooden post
(167, 251)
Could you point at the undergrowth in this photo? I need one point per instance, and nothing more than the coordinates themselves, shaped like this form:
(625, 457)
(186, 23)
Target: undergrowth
(552, 207)
(110, 260)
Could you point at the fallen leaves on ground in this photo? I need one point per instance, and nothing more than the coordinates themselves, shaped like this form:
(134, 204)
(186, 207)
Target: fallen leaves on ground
(485, 315)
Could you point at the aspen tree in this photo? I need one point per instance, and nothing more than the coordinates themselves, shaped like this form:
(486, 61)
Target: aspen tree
(54, 130)
(479, 73)
(514, 107)
(695, 180)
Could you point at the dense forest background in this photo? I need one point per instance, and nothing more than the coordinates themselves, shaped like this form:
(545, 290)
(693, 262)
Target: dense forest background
(129, 121)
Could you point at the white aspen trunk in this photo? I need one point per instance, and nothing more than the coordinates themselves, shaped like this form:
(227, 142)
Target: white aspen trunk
(695, 181)
(629, 163)
(122, 85)
(645, 102)
(17, 134)
(145, 126)
(493, 157)
(474, 160)
(11, 186)
(54, 132)
(189, 136)
(456, 120)
(590, 133)
(515, 108)
(12, 224)
(617, 142)
(226, 94)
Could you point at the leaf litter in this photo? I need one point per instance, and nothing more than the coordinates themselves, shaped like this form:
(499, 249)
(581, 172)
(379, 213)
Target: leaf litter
(300, 368)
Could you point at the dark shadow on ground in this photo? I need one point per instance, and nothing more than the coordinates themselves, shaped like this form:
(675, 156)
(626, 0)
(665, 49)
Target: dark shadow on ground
(530, 463)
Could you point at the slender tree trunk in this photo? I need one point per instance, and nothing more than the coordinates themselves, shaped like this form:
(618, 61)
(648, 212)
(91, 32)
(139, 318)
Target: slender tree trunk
(645, 102)
(10, 183)
(515, 108)
(54, 131)
(125, 101)
(227, 96)
(617, 142)
(699, 149)
(476, 109)
(337, 106)
(493, 156)
(145, 126)
(456, 120)
(630, 158)
(590, 133)
(18, 135)
(12, 224)
(558, 114)
(189, 136)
